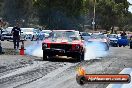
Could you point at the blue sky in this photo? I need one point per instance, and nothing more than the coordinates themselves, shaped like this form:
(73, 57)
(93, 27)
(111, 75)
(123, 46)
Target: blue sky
(130, 7)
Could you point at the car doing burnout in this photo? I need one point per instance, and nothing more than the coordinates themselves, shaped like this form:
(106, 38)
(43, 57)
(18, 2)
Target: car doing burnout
(63, 43)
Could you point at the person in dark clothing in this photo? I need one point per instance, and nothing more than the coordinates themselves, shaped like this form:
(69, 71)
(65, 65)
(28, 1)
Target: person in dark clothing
(0, 33)
(123, 35)
(16, 31)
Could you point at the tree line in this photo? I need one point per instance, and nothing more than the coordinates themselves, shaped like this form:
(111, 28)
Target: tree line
(67, 14)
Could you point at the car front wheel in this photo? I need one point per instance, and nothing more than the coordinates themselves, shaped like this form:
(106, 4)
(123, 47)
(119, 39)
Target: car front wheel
(45, 56)
(80, 57)
(2, 39)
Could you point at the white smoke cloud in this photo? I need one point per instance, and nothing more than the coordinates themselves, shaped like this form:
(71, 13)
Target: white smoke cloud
(94, 50)
(35, 49)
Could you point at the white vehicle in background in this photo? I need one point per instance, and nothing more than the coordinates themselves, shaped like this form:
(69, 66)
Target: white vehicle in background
(9, 29)
(6, 34)
(44, 33)
(30, 33)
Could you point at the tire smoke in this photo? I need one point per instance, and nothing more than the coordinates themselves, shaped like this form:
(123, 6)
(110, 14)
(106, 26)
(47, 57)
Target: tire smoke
(94, 50)
(35, 49)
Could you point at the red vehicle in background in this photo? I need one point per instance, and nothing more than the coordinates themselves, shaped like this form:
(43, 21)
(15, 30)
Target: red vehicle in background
(63, 43)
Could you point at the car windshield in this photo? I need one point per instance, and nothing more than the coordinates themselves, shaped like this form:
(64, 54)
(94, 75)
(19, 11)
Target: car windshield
(68, 35)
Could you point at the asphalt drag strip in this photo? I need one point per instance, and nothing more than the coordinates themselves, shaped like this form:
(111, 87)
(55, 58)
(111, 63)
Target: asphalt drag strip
(31, 72)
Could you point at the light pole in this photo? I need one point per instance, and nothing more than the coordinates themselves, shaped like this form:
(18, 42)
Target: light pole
(93, 22)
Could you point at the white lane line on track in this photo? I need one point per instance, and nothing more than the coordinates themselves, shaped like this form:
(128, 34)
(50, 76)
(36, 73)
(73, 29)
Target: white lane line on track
(129, 85)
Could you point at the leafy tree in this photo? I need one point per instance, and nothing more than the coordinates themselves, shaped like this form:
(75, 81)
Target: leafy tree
(58, 14)
(110, 13)
(67, 14)
(1, 6)
(17, 10)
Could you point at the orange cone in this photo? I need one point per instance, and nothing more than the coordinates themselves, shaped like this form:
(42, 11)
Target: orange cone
(22, 50)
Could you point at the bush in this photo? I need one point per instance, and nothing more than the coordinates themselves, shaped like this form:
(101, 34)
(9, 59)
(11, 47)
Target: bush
(130, 28)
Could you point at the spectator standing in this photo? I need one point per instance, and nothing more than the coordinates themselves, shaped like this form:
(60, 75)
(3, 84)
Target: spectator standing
(0, 32)
(1, 24)
(123, 34)
(16, 32)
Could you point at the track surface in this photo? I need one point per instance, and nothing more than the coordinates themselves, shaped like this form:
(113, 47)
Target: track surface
(31, 72)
